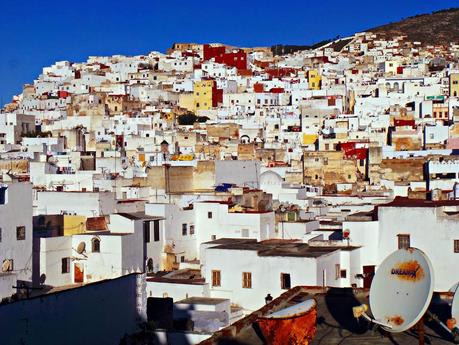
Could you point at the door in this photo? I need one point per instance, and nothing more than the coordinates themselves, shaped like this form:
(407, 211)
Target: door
(368, 274)
(78, 273)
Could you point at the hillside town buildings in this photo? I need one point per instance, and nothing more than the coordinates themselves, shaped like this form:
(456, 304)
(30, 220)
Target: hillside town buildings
(217, 176)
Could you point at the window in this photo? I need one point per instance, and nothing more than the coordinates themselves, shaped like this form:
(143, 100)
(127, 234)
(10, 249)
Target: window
(184, 229)
(146, 232)
(213, 237)
(245, 233)
(337, 271)
(285, 281)
(246, 280)
(20, 233)
(95, 245)
(456, 246)
(216, 278)
(209, 215)
(191, 229)
(343, 274)
(403, 241)
(65, 265)
(0, 234)
(156, 230)
(150, 266)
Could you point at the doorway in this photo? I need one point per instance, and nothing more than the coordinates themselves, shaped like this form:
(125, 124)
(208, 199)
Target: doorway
(78, 273)
(368, 274)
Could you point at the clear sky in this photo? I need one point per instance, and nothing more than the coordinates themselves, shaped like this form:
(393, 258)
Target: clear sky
(34, 34)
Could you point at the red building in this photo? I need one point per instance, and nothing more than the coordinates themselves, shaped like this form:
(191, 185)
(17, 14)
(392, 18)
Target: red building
(280, 72)
(212, 52)
(404, 123)
(236, 59)
(258, 87)
(354, 150)
(217, 95)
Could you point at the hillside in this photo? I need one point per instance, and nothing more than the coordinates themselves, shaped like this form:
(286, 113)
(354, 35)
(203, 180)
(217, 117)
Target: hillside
(440, 27)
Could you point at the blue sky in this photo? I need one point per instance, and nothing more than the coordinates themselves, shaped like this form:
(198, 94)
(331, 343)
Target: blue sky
(34, 34)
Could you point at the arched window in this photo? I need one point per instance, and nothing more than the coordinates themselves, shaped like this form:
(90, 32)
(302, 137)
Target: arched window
(150, 265)
(95, 245)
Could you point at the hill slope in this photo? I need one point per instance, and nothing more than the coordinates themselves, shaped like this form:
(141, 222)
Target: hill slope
(440, 27)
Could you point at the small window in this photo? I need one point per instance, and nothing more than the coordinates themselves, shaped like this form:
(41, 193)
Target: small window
(245, 232)
(20, 233)
(456, 246)
(246, 280)
(156, 230)
(191, 229)
(285, 281)
(343, 274)
(337, 271)
(209, 215)
(0, 234)
(184, 229)
(150, 266)
(403, 241)
(216, 278)
(65, 268)
(146, 232)
(213, 237)
(95, 245)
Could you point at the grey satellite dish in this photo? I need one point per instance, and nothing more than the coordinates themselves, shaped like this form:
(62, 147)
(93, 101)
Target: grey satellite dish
(81, 248)
(401, 291)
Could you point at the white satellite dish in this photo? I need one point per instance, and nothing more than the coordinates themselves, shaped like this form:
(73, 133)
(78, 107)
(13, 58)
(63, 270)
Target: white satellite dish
(81, 248)
(401, 290)
(455, 310)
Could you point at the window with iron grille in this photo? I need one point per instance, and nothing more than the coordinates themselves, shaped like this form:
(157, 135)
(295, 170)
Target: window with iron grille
(456, 246)
(403, 241)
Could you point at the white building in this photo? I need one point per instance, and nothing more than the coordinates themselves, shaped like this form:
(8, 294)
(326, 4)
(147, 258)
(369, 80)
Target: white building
(15, 235)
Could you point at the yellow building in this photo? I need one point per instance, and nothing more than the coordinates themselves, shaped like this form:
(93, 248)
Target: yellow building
(454, 85)
(202, 92)
(74, 225)
(186, 101)
(314, 80)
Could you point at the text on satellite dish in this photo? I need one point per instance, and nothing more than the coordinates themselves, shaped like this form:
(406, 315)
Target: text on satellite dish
(408, 270)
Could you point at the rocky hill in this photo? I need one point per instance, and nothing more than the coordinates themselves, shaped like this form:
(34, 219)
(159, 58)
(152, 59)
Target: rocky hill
(440, 27)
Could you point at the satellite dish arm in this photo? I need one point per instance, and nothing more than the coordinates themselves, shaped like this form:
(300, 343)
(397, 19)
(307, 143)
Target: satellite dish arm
(361, 311)
(454, 331)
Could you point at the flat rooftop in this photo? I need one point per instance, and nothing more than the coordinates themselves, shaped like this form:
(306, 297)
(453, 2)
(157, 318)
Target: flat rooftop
(139, 216)
(281, 248)
(202, 300)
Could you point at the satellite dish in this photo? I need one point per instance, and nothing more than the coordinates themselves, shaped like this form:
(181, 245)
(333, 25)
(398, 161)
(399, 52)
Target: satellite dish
(81, 248)
(401, 290)
(6, 266)
(455, 307)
